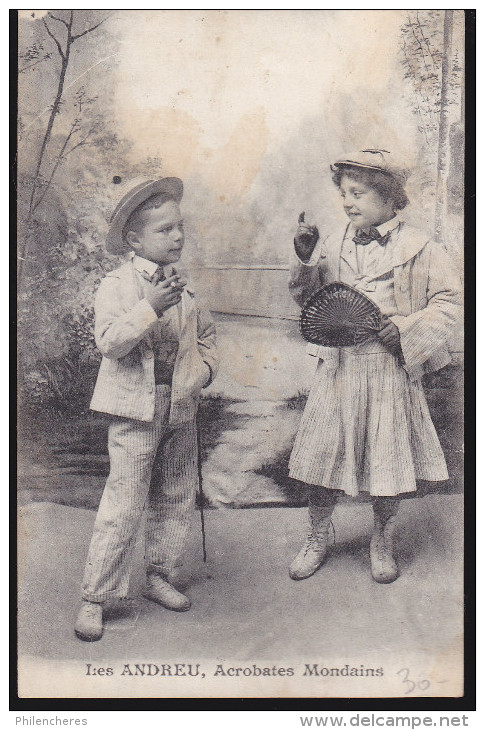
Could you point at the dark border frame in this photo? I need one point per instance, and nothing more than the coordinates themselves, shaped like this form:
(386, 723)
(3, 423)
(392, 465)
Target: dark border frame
(305, 705)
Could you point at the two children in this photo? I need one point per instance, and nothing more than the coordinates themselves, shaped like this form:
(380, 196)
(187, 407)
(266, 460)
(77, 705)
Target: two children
(366, 426)
(159, 350)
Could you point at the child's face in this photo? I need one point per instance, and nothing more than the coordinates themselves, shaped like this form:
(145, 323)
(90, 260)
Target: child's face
(364, 206)
(161, 239)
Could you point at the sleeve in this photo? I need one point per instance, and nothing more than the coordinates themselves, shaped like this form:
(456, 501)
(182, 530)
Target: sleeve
(206, 342)
(306, 277)
(426, 331)
(117, 332)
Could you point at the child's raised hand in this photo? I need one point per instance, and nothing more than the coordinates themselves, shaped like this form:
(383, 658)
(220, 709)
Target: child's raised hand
(166, 293)
(306, 238)
(389, 334)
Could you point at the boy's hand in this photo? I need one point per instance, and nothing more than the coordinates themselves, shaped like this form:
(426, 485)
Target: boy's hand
(305, 239)
(389, 334)
(166, 293)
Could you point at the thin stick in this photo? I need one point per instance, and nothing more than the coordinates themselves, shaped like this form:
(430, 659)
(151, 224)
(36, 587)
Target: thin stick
(201, 491)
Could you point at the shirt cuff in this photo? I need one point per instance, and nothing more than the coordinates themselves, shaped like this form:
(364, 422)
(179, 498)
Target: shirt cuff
(148, 313)
(409, 347)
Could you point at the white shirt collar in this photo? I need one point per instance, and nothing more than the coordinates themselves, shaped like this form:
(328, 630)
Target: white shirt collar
(144, 266)
(388, 225)
(384, 228)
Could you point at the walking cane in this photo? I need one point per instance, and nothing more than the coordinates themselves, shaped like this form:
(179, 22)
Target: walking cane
(201, 491)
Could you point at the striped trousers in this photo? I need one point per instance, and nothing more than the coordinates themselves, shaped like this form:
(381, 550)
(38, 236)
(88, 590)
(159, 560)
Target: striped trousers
(169, 500)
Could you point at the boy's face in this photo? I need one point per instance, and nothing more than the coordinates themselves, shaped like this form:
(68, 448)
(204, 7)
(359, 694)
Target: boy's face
(364, 206)
(161, 239)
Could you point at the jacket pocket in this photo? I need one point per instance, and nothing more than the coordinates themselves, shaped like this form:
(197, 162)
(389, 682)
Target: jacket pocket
(323, 353)
(190, 375)
(328, 361)
(202, 373)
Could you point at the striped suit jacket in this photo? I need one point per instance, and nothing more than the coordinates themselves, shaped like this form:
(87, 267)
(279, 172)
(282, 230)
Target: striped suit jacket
(426, 289)
(126, 380)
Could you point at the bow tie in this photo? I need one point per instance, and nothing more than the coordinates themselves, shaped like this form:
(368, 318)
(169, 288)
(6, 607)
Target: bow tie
(364, 238)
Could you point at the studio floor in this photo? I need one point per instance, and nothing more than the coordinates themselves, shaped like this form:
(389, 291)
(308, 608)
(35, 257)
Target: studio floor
(246, 611)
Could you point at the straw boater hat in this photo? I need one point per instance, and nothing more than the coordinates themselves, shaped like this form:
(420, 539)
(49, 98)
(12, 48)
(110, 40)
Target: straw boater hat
(129, 195)
(373, 159)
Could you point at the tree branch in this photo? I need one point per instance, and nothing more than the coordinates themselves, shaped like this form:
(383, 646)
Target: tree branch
(81, 143)
(89, 30)
(426, 68)
(425, 38)
(423, 55)
(60, 157)
(61, 52)
(31, 65)
(54, 17)
(418, 106)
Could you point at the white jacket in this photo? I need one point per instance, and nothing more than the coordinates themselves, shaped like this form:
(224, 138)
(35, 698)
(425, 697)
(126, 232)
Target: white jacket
(426, 290)
(126, 381)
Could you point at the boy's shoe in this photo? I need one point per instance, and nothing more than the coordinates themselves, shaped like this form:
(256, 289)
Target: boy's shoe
(383, 565)
(89, 622)
(160, 591)
(313, 552)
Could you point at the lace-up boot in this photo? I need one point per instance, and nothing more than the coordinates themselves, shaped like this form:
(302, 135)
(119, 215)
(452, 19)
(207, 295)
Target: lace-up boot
(312, 554)
(383, 566)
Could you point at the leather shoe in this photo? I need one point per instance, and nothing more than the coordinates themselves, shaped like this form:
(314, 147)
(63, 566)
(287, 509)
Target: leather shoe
(89, 622)
(160, 591)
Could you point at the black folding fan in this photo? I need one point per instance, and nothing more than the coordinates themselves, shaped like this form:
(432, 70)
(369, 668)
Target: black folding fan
(337, 315)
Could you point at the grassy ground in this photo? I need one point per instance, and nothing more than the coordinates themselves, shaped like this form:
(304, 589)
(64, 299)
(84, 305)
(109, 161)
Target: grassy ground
(248, 420)
(63, 457)
(245, 450)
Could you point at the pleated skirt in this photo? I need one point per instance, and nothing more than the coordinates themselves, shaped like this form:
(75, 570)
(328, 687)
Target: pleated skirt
(366, 426)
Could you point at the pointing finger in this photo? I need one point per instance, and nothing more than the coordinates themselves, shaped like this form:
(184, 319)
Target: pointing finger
(304, 228)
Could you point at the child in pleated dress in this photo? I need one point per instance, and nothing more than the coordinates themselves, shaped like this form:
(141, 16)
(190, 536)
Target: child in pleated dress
(366, 425)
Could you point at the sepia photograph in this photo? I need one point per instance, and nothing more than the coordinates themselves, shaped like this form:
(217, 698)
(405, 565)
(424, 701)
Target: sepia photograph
(240, 273)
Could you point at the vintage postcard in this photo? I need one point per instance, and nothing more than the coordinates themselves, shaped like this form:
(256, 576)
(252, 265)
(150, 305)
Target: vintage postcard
(240, 270)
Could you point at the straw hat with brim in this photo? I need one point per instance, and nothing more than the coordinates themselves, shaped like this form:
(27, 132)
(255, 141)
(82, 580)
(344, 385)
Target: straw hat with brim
(373, 159)
(131, 194)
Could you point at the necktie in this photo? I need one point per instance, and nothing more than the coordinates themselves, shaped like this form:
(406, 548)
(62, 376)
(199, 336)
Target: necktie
(157, 276)
(363, 239)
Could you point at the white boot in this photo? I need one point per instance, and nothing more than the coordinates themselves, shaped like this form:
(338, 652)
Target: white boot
(383, 565)
(313, 552)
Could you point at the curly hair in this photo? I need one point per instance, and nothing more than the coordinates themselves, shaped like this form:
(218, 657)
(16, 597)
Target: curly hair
(388, 187)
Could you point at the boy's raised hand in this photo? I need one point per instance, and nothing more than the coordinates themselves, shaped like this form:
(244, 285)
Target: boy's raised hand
(306, 238)
(166, 293)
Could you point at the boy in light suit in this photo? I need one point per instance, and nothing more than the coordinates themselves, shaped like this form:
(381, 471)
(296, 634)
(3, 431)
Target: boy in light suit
(159, 350)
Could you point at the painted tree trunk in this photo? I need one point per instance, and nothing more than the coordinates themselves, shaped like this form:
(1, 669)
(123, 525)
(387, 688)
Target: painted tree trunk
(444, 127)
